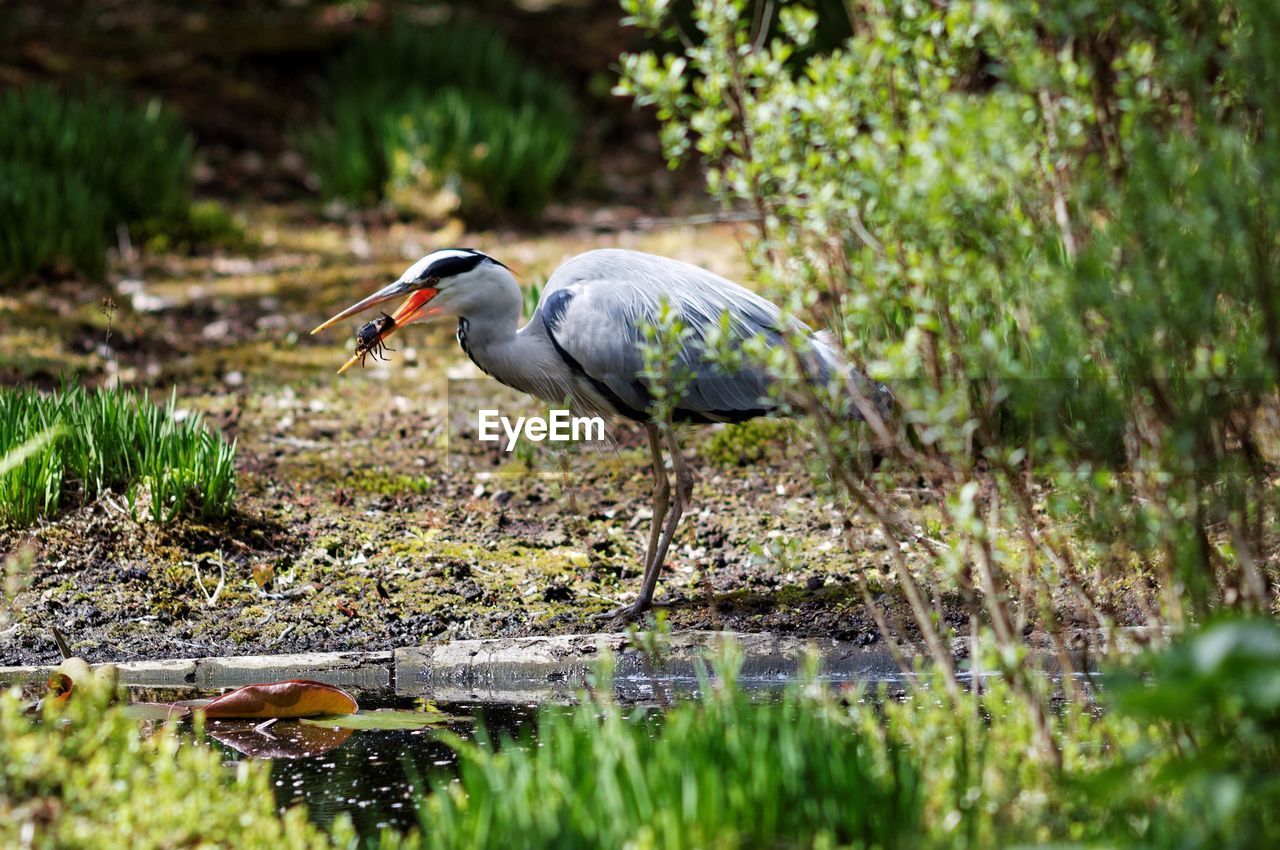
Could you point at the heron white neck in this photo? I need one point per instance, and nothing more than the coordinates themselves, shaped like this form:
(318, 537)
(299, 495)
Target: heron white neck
(488, 331)
(491, 306)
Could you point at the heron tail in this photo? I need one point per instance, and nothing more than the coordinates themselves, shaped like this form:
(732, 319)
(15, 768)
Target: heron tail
(857, 394)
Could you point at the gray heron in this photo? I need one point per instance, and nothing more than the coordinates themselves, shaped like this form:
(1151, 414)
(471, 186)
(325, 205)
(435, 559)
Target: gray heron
(583, 344)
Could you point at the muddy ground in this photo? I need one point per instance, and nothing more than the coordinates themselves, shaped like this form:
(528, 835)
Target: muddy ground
(360, 524)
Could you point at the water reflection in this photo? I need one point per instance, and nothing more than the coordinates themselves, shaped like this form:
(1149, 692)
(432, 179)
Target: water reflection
(369, 775)
(286, 740)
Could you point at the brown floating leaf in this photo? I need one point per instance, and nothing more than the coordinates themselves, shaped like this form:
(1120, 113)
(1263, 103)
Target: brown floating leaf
(294, 698)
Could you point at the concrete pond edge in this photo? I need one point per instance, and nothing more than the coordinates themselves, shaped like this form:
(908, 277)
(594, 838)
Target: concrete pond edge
(556, 668)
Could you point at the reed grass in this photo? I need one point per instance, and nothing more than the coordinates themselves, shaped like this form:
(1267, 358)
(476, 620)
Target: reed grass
(164, 464)
(723, 771)
(73, 168)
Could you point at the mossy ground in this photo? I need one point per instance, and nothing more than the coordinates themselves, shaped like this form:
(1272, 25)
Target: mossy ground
(356, 528)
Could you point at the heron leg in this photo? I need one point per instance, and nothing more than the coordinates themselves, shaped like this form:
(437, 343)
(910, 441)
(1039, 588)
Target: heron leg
(684, 490)
(661, 504)
(661, 494)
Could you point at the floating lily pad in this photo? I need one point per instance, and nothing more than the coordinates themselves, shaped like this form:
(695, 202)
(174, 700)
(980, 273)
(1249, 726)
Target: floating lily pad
(385, 719)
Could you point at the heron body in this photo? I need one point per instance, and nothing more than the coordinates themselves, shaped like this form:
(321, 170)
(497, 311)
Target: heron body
(583, 345)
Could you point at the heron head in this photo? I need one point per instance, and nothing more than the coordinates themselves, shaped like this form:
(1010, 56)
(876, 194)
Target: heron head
(440, 284)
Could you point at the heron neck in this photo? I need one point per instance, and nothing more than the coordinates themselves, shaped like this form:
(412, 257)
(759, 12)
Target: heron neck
(490, 335)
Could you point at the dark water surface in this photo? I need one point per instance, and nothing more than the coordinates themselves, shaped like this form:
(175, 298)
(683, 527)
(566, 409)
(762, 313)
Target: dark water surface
(370, 775)
(376, 776)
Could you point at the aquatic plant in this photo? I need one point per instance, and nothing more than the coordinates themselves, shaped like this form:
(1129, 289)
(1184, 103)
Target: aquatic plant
(416, 109)
(1183, 756)
(111, 439)
(73, 168)
(721, 771)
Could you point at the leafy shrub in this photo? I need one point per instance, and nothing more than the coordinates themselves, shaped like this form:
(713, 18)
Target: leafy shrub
(1212, 702)
(1051, 232)
(85, 777)
(75, 167)
(111, 440)
(415, 109)
(1181, 754)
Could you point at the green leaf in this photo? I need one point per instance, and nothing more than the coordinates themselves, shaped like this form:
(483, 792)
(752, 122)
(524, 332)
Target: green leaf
(385, 719)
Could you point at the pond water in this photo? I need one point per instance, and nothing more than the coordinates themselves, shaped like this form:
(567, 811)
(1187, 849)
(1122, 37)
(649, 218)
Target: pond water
(370, 775)
(373, 775)
(376, 777)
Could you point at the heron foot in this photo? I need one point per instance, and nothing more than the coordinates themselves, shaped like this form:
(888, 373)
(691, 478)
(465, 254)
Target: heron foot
(622, 615)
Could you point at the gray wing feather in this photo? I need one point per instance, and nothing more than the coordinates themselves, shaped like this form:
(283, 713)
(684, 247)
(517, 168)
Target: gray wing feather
(596, 305)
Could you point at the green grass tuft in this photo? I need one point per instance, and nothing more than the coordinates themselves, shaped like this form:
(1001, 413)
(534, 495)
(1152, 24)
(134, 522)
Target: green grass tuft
(49, 219)
(111, 440)
(73, 168)
(415, 110)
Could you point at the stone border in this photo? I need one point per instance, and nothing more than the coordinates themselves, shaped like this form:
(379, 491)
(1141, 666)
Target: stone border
(542, 668)
(364, 671)
(536, 669)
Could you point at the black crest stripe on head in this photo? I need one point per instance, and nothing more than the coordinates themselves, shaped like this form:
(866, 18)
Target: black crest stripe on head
(453, 263)
(485, 256)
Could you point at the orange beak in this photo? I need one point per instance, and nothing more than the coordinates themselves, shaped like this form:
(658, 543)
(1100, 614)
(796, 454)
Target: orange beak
(411, 310)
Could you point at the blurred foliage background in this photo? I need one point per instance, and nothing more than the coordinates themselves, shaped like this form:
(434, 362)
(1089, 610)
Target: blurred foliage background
(123, 113)
(421, 108)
